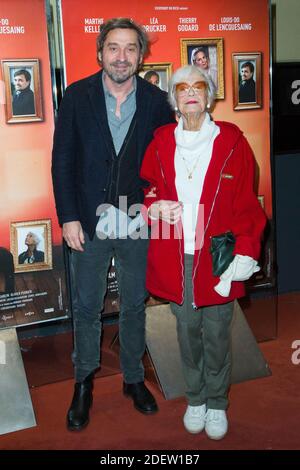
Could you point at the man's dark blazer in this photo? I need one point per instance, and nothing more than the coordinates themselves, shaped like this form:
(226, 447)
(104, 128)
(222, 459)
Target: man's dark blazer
(24, 103)
(247, 91)
(82, 150)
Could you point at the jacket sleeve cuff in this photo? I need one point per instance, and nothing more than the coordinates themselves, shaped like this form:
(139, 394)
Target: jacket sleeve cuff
(63, 219)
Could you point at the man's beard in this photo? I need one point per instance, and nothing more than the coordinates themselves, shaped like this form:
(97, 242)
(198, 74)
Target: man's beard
(120, 76)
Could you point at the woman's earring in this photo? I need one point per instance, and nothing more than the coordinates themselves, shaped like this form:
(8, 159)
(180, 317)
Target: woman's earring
(208, 105)
(177, 111)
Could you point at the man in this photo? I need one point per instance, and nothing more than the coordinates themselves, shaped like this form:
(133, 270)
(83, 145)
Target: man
(105, 123)
(23, 97)
(7, 269)
(152, 77)
(200, 58)
(32, 254)
(247, 84)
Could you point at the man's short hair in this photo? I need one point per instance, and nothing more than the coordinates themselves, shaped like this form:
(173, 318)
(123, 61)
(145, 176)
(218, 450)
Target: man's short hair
(24, 72)
(123, 23)
(150, 74)
(249, 65)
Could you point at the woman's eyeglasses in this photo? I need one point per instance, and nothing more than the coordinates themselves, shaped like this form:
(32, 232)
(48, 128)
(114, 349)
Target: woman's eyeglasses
(183, 88)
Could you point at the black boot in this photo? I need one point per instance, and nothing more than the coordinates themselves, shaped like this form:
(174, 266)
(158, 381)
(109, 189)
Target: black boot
(78, 414)
(143, 399)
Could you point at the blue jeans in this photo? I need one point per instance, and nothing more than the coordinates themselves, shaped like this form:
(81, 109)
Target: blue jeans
(89, 271)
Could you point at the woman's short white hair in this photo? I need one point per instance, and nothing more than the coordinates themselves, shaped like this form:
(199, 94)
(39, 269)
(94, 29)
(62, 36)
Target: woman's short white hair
(35, 237)
(182, 74)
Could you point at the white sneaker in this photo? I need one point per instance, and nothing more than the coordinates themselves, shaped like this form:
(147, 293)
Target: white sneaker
(194, 418)
(216, 424)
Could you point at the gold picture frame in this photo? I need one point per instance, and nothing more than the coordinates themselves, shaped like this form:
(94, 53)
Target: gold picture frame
(23, 97)
(162, 70)
(247, 80)
(31, 245)
(211, 49)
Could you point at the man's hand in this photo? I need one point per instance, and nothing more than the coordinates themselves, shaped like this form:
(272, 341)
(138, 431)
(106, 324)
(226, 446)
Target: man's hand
(73, 234)
(168, 211)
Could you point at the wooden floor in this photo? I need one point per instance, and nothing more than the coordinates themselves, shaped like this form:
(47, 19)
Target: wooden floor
(264, 413)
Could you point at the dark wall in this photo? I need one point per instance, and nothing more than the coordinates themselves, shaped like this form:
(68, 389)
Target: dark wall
(286, 144)
(287, 189)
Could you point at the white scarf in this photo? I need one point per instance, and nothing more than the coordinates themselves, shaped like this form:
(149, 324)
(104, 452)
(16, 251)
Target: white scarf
(192, 157)
(191, 144)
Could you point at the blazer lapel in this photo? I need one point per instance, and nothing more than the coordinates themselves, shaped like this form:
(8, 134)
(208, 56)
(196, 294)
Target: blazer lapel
(143, 113)
(97, 102)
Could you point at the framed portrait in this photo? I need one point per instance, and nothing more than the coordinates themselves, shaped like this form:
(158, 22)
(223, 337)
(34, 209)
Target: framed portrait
(22, 83)
(31, 245)
(157, 73)
(247, 81)
(208, 55)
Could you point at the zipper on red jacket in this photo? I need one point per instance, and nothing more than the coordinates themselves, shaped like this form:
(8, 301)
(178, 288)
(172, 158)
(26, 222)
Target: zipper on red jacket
(176, 228)
(206, 227)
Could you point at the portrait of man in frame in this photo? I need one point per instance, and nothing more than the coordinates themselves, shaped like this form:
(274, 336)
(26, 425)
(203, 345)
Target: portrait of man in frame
(247, 83)
(22, 90)
(157, 73)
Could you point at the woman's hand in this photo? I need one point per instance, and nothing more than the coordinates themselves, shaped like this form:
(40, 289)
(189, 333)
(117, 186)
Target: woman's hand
(168, 211)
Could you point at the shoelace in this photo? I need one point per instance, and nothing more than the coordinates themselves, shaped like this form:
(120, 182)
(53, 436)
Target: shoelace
(213, 416)
(196, 411)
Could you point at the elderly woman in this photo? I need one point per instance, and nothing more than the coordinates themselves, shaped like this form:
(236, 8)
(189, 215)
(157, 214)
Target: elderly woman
(31, 255)
(201, 176)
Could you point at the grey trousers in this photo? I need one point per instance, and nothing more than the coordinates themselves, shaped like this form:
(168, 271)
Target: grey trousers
(204, 342)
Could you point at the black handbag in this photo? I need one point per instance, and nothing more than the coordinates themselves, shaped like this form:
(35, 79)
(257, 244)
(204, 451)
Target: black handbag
(221, 249)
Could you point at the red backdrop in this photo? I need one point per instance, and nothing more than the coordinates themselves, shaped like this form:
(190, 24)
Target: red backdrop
(80, 52)
(25, 155)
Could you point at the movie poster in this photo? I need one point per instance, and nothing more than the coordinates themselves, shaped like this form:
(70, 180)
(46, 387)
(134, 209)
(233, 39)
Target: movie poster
(32, 272)
(230, 39)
